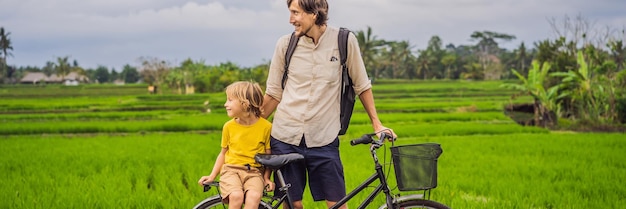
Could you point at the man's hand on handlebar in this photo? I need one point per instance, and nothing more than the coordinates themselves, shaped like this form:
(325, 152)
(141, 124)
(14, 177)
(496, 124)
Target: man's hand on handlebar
(386, 132)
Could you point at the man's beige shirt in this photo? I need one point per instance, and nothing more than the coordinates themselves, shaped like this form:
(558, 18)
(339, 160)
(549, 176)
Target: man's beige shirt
(310, 103)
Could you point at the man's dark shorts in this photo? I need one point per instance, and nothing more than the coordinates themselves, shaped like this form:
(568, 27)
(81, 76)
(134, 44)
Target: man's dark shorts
(323, 164)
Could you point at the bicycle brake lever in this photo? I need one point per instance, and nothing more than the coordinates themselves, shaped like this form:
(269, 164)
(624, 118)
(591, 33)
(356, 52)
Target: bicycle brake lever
(208, 185)
(389, 137)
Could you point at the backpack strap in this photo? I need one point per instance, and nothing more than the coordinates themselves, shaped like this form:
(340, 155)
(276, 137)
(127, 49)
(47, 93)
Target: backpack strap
(343, 47)
(346, 81)
(293, 42)
(347, 90)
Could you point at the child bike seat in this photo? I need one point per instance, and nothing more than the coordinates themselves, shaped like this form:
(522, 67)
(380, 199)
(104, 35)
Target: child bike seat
(276, 161)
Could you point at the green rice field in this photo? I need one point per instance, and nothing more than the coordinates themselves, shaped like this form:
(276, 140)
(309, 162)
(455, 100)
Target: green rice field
(106, 146)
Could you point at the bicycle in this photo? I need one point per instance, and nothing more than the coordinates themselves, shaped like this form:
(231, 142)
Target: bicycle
(405, 179)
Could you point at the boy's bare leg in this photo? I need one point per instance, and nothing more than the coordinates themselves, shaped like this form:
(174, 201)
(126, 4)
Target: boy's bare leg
(252, 200)
(235, 199)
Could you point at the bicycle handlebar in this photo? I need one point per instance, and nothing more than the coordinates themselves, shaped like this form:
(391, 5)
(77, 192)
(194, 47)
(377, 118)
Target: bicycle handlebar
(369, 138)
(365, 139)
(208, 185)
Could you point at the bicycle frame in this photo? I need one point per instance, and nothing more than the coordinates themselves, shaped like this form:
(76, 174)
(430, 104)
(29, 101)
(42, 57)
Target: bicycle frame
(284, 187)
(379, 175)
(383, 186)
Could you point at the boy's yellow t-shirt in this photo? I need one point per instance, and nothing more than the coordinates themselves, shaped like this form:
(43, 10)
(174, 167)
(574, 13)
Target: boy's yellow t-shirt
(245, 141)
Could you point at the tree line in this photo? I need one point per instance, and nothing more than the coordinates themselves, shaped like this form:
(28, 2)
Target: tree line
(484, 59)
(578, 75)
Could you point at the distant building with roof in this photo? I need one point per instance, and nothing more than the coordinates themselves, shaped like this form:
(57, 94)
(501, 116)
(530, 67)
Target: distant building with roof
(70, 79)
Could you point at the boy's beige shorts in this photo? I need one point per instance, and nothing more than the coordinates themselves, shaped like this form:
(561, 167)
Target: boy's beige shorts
(239, 178)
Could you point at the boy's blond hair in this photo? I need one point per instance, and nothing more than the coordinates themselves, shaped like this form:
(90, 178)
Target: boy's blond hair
(250, 95)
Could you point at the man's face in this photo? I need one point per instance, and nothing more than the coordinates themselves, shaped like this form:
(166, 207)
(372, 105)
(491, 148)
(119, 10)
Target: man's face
(302, 21)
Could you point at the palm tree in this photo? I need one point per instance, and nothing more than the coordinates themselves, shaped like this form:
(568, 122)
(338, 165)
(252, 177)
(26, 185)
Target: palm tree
(424, 62)
(408, 61)
(370, 48)
(429, 59)
(63, 67)
(448, 60)
(521, 56)
(488, 46)
(5, 46)
(400, 59)
(48, 69)
(436, 53)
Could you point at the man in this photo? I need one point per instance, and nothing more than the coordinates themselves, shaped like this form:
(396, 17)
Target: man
(307, 109)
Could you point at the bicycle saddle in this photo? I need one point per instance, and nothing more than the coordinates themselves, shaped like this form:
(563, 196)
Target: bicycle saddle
(277, 161)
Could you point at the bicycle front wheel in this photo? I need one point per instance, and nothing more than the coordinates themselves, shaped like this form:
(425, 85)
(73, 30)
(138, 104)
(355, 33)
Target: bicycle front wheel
(211, 202)
(420, 203)
(215, 202)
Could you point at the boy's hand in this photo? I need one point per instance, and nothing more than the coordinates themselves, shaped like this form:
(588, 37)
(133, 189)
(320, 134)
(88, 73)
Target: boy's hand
(205, 179)
(269, 185)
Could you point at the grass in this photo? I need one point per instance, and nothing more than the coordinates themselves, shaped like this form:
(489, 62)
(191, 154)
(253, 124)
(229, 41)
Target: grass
(104, 171)
(159, 170)
(169, 122)
(533, 171)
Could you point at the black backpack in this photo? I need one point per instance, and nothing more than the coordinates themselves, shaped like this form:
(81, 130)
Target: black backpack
(348, 96)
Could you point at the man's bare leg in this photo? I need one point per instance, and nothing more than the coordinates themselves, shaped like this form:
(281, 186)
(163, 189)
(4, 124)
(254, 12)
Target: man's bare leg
(331, 203)
(296, 205)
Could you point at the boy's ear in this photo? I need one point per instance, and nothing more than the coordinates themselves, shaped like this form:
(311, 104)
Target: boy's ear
(246, 106)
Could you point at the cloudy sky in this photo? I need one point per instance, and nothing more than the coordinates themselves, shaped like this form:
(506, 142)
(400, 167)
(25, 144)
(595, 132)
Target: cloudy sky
(113, 33)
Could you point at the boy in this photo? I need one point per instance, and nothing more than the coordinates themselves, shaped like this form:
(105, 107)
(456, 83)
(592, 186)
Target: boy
(242, 180)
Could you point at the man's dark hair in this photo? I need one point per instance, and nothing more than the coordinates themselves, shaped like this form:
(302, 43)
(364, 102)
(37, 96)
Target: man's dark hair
(318, 7)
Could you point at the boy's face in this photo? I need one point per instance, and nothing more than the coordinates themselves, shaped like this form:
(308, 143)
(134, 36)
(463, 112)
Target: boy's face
(234, 107)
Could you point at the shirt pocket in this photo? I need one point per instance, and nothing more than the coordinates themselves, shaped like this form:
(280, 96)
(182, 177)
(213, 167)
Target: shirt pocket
(329, 67)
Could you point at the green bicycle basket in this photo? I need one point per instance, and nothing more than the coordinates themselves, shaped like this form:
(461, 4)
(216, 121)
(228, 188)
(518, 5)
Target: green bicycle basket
(416, 165)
